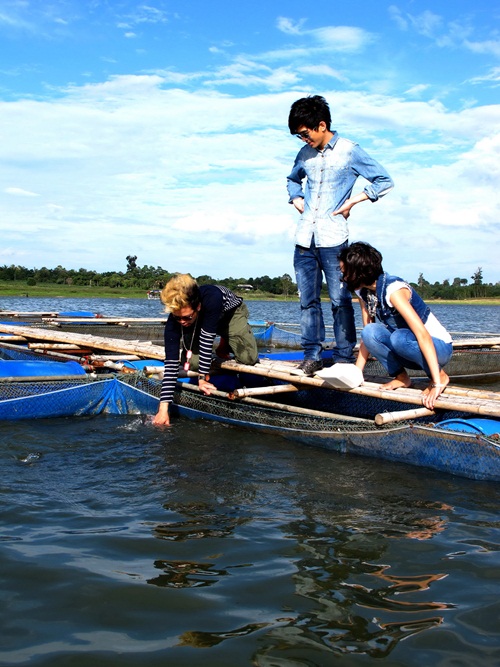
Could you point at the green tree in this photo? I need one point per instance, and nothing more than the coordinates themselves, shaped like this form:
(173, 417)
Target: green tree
(205, 280)
(286, 284)
(131, 262)
(477, 283)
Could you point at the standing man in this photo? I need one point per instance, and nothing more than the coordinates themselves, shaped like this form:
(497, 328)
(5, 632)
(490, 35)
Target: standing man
(330, 164)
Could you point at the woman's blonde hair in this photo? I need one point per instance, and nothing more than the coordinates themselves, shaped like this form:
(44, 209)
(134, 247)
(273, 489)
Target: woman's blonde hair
(181, 291)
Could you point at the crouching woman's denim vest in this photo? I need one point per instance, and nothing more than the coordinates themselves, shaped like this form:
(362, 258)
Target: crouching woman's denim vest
(390, 316)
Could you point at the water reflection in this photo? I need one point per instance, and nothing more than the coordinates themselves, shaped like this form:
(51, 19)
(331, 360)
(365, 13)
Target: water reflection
(195, 528)
(185, 574)
(151, 545)
(342, 597)
(348, 616)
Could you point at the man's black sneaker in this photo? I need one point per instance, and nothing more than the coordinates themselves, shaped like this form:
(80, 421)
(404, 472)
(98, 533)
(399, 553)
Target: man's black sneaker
(309, 367)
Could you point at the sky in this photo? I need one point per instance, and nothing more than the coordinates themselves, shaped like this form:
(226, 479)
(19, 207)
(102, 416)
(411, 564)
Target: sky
(159, 129)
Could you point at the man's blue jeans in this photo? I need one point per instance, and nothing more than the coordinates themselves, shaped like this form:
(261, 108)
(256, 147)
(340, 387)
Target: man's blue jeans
(399, 350)
(310, 264)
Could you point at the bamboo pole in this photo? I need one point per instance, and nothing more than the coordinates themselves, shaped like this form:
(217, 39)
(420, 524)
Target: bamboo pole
(146, 350)
(412, 396)
(262, 391)
(45, 378)
(42, 355)
(114, 357)
(51, 346)
(34, 313)
(402, 415)
(475, 342)
(105, 320)
(468, 392)
(289, 367)
(283, 407)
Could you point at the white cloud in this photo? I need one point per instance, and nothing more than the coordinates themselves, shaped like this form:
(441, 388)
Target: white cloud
(148, 14)
(322, 71)
(290, 27)
(427, 23)
(195, 181)
(248, 73)
(342, 38)
(415, 91)
(488, 47)
(335, 38)
(492, 76)
(14, 19)
(398, 18)
(19, 192)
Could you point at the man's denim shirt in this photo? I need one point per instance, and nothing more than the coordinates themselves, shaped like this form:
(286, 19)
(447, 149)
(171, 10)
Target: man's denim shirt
(331, 175)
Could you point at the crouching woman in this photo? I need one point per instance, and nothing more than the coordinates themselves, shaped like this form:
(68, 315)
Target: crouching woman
(407, 334)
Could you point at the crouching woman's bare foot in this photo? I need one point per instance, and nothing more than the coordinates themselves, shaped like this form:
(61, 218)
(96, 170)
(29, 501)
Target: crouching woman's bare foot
(435, 389)
(401, 380)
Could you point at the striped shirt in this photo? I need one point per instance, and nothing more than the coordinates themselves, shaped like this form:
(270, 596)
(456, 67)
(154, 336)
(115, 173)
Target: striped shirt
(215, 301)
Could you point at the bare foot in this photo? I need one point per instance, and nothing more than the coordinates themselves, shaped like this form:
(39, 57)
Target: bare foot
(401, 380)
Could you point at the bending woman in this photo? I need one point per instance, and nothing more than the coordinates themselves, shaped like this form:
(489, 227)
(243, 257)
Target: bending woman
(408, 335)
(197, 315)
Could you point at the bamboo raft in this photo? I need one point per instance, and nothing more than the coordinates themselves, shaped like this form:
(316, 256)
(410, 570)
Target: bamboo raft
(472, 401)
(474, 358)
(460, 436)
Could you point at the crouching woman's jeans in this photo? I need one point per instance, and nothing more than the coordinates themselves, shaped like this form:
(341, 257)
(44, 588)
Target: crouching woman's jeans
(399, 350)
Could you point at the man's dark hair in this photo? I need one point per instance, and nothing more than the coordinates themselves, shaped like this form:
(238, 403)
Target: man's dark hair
(309, 112)
(362, 265)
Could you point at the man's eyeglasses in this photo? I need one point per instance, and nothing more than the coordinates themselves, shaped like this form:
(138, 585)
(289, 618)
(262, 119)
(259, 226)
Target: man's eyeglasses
(184, 318)
(305, 135)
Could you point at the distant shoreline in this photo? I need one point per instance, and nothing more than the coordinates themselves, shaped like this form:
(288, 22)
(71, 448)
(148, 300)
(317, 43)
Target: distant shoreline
(70, 292)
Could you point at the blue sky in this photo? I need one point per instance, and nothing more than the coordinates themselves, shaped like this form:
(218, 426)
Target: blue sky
(160, 130)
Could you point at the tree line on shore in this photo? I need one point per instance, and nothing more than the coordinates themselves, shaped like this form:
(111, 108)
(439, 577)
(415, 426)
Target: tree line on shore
(149, 277)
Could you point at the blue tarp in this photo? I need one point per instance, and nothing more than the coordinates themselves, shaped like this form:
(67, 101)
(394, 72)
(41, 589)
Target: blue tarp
(479, 425)
(35, 368)
(86, 398)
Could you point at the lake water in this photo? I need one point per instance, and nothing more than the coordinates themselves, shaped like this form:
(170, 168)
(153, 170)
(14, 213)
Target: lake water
(209, 546)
